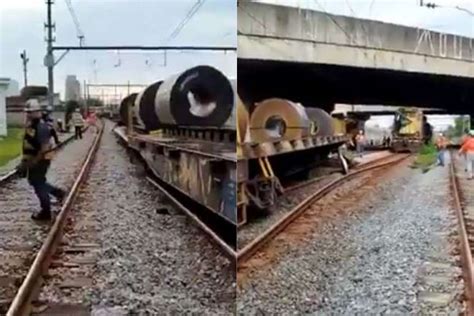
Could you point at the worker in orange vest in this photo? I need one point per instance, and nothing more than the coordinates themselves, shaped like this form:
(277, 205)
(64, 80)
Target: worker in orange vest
(441, 144)
(468, 149)
(463, 140)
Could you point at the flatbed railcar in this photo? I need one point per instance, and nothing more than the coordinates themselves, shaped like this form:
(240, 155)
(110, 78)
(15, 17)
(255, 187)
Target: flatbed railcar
(308, 138)
(198, 160)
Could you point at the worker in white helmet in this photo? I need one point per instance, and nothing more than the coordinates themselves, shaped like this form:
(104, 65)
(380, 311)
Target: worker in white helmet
(78, 122)
(37, 159)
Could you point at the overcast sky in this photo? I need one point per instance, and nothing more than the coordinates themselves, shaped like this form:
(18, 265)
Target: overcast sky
(115, 22)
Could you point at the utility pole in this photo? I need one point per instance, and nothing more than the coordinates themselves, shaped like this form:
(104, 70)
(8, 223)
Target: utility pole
(49, 58)
(25, 69)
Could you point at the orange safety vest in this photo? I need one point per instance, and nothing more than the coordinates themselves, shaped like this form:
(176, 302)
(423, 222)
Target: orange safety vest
(468, 145)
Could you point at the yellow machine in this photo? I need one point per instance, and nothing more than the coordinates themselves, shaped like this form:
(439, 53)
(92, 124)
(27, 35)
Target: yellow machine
(409, 130)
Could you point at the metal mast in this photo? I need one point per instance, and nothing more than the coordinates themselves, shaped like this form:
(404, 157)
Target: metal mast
(49, 59)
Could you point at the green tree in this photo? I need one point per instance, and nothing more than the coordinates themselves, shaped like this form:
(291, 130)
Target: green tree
(461, 123)
(93, 102)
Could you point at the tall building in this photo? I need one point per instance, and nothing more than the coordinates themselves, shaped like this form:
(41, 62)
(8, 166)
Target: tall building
(73, 88)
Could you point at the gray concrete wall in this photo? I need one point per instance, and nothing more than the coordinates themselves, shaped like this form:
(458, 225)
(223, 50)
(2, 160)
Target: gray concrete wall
(284, 33)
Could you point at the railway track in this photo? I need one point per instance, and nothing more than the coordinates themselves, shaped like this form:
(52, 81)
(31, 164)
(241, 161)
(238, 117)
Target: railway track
(220, 232)
(463, 199)
(316, 179)
(126, 251)
(27, 286)
(258, 243)
(12, 173)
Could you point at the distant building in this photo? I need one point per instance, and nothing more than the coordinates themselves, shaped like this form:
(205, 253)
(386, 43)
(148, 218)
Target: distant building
(73, 88)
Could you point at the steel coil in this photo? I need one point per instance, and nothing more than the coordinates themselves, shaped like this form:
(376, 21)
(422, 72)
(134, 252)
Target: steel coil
(127, 102)
(278, 119)
(145, 107)
(200, 96)
(322, 123)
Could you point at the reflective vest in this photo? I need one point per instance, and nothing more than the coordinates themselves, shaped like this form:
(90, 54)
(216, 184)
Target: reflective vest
(77, 119)
(468, 145)
(31, 144)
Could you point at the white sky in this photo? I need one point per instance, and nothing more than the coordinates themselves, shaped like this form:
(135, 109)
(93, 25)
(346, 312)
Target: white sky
(115, 22)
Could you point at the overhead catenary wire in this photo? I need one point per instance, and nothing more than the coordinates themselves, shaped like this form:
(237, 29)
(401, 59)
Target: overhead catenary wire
(79, 33)
(355, 16)
(195, 8)
(335, 22)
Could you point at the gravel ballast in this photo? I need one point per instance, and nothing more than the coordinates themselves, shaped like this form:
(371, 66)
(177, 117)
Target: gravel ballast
(151, 259)
(20, 236)
(393, 252)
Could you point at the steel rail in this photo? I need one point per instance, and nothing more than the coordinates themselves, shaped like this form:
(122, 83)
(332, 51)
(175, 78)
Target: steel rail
(251, 248)
(316, 179)
(226, 249)
(466, 253)
(21, 304)
(10, 174)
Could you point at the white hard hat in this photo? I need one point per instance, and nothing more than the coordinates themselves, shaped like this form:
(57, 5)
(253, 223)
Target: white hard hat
(471, 132)
(49, 108)
(32, 105)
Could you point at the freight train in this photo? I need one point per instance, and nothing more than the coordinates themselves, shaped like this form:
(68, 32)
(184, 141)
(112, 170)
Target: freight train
(410, 130)
(184, 129)
(277, 140)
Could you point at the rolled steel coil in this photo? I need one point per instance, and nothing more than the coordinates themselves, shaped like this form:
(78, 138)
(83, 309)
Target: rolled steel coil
(278, 119)
(242, 120)
(322, 123)
(126, 103)
(200, 96)
(231, 121)
(145, 107)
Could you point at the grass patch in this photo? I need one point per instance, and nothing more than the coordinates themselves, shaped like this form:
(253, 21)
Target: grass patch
(426, 158)
(10, 146)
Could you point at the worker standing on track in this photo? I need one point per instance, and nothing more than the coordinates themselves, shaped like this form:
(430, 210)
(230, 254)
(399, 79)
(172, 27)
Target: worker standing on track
(78, 122)
(441, 144)
(37, 159)
(463, 140)
(360, 143)
(468, 149)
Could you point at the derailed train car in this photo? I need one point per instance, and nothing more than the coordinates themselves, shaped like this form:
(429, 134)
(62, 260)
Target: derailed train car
(278, 140)
(183, 128)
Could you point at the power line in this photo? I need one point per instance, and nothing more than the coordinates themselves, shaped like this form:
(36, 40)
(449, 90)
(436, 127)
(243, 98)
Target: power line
(433, 5)
(195, 8)
(335, 22)
(80, 34)
(370, 7)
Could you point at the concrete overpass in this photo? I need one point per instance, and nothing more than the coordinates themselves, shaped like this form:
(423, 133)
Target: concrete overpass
(320, 59)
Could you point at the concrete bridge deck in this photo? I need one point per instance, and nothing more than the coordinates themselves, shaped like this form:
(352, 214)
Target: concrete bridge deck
(320, 59)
